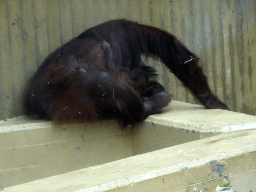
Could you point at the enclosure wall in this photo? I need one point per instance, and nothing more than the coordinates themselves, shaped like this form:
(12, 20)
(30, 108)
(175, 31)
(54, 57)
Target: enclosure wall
(221, 33)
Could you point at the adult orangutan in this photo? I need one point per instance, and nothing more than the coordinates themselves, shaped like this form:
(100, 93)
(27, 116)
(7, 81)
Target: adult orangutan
(100, 75)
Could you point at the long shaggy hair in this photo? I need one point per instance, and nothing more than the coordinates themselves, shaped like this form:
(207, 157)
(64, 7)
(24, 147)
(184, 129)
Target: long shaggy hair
(100, 75)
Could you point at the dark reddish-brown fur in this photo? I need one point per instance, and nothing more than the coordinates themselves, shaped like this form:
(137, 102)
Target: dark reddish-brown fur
(100, 75)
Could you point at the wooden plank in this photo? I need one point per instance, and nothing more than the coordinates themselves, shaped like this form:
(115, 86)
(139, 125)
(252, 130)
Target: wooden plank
(226, 22)
(78, 16)
(247, 34)
(40, 8)
(28, 38)
(16, 53)
(217, 49)
(65, 12)
(6, 73)
(54, 25)
(252, 57)
(236, 75)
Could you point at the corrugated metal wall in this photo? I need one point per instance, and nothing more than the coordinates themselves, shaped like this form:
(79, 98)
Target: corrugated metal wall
(222, 33)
